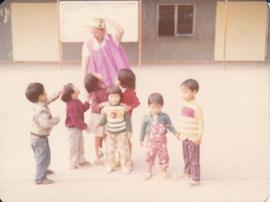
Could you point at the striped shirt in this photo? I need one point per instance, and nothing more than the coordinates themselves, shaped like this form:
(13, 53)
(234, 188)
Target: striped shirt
(191, 127)
(116, 119)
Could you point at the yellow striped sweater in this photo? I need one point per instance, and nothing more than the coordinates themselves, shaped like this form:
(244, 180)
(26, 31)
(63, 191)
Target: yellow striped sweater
(191, 127)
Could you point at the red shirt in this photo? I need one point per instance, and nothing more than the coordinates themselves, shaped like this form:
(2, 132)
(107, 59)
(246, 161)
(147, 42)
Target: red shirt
(97, 98)
(75, 114)
(130, 98)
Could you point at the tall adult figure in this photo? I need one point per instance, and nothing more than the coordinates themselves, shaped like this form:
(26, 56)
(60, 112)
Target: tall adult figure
(103, 54)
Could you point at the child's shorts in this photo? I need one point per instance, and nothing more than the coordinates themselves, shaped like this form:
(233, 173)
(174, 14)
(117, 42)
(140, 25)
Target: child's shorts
(93, 122)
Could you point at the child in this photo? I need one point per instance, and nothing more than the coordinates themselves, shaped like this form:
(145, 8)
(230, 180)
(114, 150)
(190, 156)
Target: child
(75, 125)
(41, 126)
(118, 129)
(98, 96)
(154, 126)
(127, 83)
(191, 130)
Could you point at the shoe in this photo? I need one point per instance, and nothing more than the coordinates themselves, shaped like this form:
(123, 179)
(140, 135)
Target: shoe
(117, 164)
(85, 163)
(44, 181)
(182, 175)
(166, 175)
(147, 176)
(100, 153)
(98, 162)
(49, 172)
(194, 183)
(76, 166)
(127, 171)
(131, 163)
(109, 170)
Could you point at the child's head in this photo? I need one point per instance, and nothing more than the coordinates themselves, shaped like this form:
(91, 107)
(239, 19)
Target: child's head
(69, 92)
(92, 83)
(114, 95)
(126, 78)
(189, 88)
(35, 92)
(155, 103)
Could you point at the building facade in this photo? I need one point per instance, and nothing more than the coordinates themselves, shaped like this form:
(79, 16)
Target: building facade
(172, 31)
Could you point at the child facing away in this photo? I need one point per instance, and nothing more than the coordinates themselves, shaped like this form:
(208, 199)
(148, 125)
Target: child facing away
(127, 82)
(154, 127)
(42, 123)
(117, 123)
(75, 125)
(191, 130)
(98, 96)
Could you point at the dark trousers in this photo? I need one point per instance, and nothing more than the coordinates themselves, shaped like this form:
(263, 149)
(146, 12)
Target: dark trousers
(191, 152)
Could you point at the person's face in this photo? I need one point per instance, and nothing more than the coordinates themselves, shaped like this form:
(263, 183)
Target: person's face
(187, 93)
(76, 93)
(43, 98)
(99, 34)
(155, 108)
(114, 99)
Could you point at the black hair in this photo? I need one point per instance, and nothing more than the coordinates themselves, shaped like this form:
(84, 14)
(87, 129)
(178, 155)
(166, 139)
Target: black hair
(156, 98)
(33, 91)
(67, 92)
(92, 83)
(191, 84)
(115, 90)
(127, 78)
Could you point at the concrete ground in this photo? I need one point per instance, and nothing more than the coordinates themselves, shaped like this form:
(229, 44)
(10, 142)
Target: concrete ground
(234, 151)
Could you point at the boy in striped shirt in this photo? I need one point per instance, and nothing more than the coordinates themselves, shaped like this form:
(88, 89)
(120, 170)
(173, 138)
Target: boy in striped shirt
(117, 123)
(191, 130)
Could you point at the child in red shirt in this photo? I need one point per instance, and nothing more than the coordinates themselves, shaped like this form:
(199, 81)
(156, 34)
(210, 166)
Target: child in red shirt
(98, 96)
(75, 124)
(127, 83)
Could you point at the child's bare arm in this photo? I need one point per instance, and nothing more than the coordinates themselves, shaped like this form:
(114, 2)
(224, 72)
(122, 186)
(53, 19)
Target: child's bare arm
(102, 121)
(170, 126)
(53, 97)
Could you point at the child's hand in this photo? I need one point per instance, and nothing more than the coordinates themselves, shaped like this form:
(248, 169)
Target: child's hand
(197, 142)
(103, 104)
(99, 76)
(127, 108)
(58, 94)
(87, 129)
(178, 136)
(141, 143)
(129, 135)
(56, 119)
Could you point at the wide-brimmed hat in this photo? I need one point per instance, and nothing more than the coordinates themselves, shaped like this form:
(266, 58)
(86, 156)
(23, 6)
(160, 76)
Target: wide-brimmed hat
(97, 23)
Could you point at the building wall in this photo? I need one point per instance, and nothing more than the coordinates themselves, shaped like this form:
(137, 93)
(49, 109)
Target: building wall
(244, 41)
(35, 35)
(198, 47)
(5, 32)
(268, 48)
(72, 51)
(155, 48)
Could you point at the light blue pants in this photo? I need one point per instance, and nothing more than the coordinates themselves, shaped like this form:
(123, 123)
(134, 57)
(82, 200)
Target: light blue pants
(41, 148)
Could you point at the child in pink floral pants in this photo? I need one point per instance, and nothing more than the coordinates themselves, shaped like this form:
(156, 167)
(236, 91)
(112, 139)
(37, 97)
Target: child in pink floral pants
(157, 145)
(154, 126)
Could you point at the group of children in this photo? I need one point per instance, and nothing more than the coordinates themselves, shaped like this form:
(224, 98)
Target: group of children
(110, 121)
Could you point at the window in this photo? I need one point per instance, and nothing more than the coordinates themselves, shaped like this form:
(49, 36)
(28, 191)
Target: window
(176, 20)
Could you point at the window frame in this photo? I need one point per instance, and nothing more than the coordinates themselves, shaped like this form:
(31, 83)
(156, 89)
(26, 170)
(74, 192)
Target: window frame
(176, 19)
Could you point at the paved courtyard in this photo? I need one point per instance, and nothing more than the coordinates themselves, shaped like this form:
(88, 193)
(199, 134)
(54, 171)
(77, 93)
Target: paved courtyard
(234, 152)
